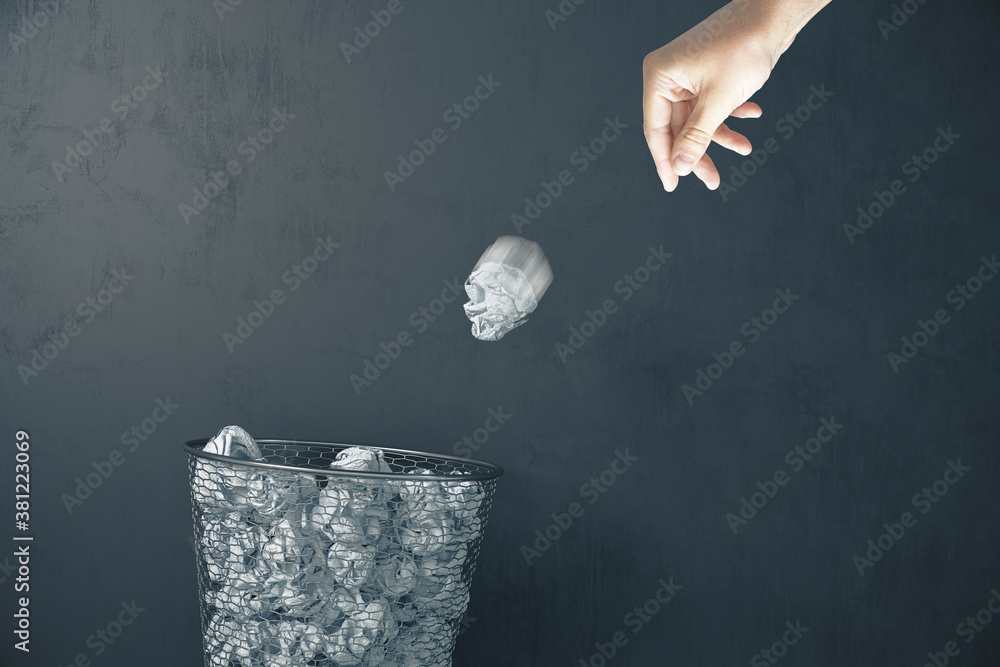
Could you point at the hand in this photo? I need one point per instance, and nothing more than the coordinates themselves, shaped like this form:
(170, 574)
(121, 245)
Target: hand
(691, 85)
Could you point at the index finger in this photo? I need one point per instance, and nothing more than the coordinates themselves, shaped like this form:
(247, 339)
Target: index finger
(656, 126)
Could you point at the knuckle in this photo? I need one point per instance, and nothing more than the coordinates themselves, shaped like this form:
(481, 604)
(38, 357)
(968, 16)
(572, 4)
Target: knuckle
(698, 135)
(649, 63)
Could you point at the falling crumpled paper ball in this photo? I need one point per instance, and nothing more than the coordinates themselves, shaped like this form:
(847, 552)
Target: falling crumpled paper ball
(505, 286)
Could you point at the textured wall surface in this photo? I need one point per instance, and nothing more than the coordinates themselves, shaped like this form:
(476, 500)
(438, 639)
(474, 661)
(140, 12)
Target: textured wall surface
(112, 220)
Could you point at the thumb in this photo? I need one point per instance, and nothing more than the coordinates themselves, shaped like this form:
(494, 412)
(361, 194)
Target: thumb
(711, 111)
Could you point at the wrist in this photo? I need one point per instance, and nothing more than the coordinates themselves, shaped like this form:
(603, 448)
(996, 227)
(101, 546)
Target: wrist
(779, 21)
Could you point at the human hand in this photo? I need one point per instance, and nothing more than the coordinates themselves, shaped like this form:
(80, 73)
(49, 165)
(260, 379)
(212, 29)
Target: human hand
(697, 81)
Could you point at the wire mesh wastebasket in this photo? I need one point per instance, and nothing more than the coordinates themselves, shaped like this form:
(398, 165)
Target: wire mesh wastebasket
(301, 564)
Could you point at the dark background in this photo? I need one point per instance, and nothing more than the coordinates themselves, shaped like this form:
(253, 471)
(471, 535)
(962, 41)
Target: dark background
(323, 175)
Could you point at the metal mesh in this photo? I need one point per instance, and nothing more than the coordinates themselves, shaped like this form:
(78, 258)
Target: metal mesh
(317, 567)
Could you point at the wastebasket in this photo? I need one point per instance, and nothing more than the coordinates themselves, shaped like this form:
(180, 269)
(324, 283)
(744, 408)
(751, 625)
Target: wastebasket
(304, 565)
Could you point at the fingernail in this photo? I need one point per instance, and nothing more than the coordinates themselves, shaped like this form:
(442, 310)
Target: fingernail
(683, 164)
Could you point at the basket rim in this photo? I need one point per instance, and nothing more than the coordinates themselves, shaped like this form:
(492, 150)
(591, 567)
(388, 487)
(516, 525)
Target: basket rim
(493, 471)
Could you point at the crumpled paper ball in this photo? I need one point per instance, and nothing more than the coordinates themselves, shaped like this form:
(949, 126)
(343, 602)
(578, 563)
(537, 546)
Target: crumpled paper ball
(277, 493)
(228, 640)
(235, 442)
(505, 286)
(364, 459)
